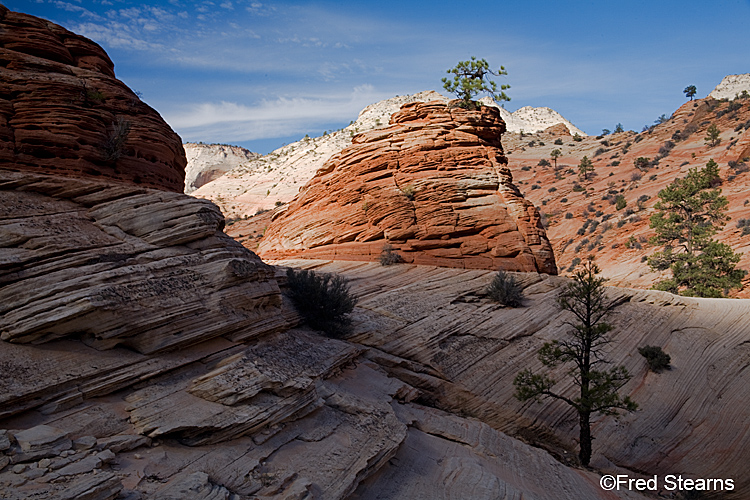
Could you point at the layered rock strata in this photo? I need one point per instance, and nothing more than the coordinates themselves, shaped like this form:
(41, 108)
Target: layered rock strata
(113, 264)
(62, 111)
(435, 185)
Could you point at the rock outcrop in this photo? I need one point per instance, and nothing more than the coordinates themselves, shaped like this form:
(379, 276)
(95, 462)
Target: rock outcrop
(114, 264)
(435, 329)
(277, 177)
(207, 162)
(731, 86)
(62, 111)
(435, 185)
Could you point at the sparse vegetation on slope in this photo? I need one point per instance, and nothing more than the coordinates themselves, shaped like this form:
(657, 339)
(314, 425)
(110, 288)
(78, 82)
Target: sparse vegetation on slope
(690, 211)
(324, 300)
(505, 289)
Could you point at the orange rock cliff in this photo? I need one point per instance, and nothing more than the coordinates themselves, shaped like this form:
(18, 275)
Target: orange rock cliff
(435, 185)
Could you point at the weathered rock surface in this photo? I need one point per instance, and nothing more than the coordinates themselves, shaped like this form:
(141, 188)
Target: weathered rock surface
(435, 185)
(113, 264)
(62, 111)
(207, 162)
(433, 329)
(731, 86)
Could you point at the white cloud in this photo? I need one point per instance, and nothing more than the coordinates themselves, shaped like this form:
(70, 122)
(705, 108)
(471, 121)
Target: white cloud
(76, 8)
(115, 34)
(270, 118)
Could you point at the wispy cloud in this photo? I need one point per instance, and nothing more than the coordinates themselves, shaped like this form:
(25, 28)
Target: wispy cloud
(269, 118)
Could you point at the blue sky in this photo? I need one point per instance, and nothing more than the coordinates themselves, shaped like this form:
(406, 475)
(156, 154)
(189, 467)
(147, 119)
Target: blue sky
(261, 74)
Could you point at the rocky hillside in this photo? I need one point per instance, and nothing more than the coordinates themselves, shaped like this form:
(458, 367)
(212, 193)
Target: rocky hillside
(581, 215)
(63, 111)
(276, 178)
(149, 356)
(434, 185)
(207, 162)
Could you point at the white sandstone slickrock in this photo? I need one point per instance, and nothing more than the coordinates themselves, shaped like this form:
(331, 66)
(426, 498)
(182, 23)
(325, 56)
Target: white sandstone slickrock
(731, 86)
(206, 162)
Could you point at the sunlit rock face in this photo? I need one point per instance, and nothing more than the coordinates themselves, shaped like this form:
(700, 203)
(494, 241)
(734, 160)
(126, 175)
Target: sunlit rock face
(434, 184)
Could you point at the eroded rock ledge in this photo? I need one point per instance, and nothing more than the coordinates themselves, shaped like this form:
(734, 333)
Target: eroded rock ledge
(150, 356)
(112, 264)
(435, 185)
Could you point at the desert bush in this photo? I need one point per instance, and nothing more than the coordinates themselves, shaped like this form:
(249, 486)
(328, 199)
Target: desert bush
(409, 191)
(552, 189)
(577, 137)
(505, 290)
(656, 358)
(666, 148)
(569, 215)
(543, 163)
(642, 163)
(574, 263)
(388, 256)
(599, 151)
(526, 168)
(636, 176)
(620, 202)
(558, 142)
(324, 300)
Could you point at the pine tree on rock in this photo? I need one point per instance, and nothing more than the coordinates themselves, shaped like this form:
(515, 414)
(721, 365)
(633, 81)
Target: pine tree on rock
(587, 300)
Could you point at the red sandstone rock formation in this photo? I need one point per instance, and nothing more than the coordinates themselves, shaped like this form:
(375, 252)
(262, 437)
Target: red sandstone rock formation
(62, 111)
(435, 185)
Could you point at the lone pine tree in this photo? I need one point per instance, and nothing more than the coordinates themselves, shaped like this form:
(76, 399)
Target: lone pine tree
(587, 300)
(472, 77)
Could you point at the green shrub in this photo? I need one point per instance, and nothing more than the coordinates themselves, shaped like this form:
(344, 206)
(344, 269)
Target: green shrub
(558, 142)
(505, 290)
(324, 300)
(574, 263)
(657, 359)
(543, 163)
(620, 202)
(388, 257)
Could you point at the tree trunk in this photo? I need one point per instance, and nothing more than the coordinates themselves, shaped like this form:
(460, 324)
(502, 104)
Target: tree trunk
(585, 438)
